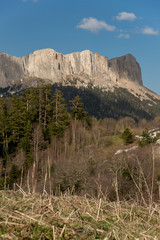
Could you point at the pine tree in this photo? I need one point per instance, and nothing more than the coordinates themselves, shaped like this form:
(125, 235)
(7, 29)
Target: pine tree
(77, 109)
(30, 99)
(127, 136)
(60, 120)
(17, 118)
(146, 139)
(3, 126)
(48, 106)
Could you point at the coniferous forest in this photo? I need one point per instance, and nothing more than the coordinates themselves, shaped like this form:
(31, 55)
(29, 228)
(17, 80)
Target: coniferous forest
(28, 124)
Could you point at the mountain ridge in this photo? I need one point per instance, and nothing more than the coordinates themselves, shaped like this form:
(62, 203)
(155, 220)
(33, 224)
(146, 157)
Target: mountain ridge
(60, 65)
(74, 69)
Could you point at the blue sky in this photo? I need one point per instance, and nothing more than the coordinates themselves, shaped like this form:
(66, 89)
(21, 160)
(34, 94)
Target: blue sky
(110, 27)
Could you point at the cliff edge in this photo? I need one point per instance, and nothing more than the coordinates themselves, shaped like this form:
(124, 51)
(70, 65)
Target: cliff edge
(79, 68)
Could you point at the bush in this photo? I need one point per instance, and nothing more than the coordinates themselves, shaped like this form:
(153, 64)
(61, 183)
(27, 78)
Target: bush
(127, 136)
(147, 139)
(13, 175)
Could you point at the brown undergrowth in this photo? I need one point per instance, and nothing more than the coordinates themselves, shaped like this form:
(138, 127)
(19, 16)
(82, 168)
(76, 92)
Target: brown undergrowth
(25, 216)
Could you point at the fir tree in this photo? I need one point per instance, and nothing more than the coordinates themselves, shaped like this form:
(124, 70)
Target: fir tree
(146, 139)
(30, 99)
(17, 118)
(127, 136)
(60, 120)
(3, 127)
(77, 109)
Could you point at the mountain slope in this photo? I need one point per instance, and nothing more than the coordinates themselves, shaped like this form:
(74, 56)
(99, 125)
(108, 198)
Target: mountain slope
(112, 104)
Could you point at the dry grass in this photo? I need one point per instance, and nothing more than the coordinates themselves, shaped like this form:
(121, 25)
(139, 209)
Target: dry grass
(24, 216)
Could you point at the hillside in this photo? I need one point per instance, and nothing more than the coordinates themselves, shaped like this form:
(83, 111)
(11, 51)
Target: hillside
(115, 103)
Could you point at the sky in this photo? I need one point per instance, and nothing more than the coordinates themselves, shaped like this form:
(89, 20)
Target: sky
(112, 28)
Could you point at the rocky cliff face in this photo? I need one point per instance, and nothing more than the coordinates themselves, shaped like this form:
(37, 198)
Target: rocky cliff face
(11, 70)
(126, 67)
(80, 68)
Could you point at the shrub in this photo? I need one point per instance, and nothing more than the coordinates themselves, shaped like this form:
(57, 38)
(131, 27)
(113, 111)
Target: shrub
(147, 139)
(13, 175)
(127, 136)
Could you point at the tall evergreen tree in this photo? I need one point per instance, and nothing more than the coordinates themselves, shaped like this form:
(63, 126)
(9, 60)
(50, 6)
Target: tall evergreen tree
(48, 106)
(30, 98)
(17, 118)
(60, 119)
(3, 127)
(77, 109)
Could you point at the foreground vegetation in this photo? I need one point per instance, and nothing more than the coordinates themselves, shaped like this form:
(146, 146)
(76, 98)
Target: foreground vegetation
(24, 216)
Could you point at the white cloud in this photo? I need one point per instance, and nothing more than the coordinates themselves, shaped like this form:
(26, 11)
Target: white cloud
(149, 31)
(122, 35)
(94, 25)
(126, 16)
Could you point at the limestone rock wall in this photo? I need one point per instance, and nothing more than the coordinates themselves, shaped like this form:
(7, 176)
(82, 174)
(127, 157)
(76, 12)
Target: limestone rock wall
(46, 64)
(87, 62)
(11, 70)
(127, 68)
(56, 67)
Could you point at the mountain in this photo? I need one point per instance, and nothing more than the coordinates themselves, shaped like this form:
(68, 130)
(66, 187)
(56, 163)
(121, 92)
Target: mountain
(115, 86)
(76, 69)
(86, 67)
(54, 66)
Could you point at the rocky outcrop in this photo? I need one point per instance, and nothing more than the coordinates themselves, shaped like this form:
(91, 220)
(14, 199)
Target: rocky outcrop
(88, 63)
(46, 64)
(11, 70)
(80, 68)
(126, 68)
